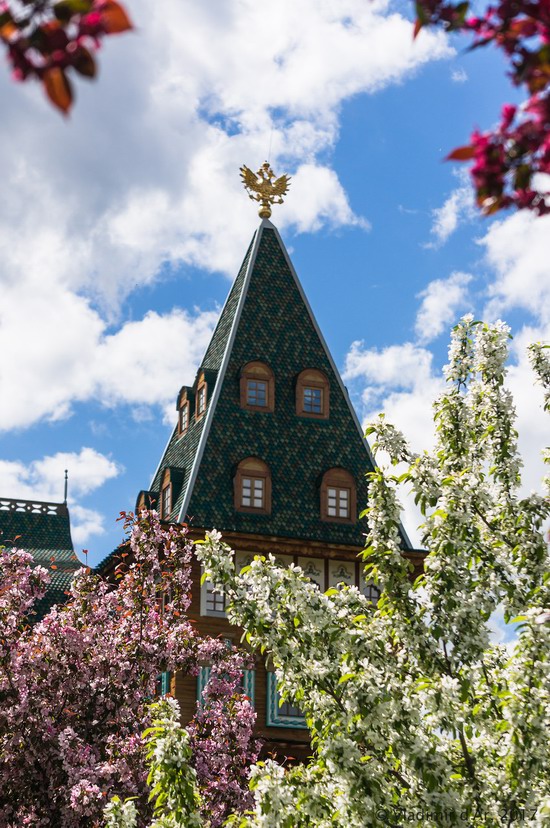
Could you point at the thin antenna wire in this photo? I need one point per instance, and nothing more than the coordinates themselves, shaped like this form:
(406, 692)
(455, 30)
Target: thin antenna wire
(270, 140)
(66, 486)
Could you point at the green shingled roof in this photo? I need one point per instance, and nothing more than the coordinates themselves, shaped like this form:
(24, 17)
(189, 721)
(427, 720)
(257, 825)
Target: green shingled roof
(267, 318)
(43, 530)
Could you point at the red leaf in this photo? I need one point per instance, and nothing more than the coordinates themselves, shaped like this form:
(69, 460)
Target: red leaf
(417, 26)
(461, 154)
(58, 88)
(115, 18)
(8, 30)
(84, 63)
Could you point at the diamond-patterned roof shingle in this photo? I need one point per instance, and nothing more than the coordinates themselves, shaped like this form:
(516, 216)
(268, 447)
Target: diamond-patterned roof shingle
(43, 530)
(267, 318)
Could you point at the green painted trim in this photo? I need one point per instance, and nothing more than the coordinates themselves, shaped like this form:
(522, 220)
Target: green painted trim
(249, 685)
(165, 682)
(202, 681)
(273, 711)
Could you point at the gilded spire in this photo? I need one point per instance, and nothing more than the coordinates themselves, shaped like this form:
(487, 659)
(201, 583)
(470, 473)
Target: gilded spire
(264, 187)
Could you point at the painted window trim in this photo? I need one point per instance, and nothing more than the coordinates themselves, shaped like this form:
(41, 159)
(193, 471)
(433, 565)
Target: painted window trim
(338, 478)
(201, 387)
(185, 402)
(273, 715)
(313, 378)
(249, 684)
(207, 612)
(202, 681)
(254, 473)
(165, 682)
(260, 372)
(185, 407)
(166, 484)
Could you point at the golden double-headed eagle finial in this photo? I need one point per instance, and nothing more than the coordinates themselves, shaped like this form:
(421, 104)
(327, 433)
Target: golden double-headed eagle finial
(264, 187)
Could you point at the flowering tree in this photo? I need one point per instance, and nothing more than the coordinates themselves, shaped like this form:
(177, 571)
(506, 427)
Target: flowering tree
(174, 783)
(222, 743)
(74, 688)
(47, 39)
(512, 160)
(176, 790)
(417, 717)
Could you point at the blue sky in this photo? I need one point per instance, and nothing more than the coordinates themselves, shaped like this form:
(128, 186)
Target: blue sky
(122, 228)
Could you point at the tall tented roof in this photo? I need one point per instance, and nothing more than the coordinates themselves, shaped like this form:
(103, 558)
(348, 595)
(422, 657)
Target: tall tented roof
(42, 529)
(266, 318)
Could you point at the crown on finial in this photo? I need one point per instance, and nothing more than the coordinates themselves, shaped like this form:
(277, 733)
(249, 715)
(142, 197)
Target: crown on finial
(264, 187)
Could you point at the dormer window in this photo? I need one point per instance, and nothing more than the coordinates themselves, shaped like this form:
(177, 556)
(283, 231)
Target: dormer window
(184, 418)
(166, 501)
(312, 394)
(256, 393)
(185, 409)
(166, 496)
(253, 486)
(169, 491)
(257, 387)
(338, 496)
(201, 400)
(201, 397)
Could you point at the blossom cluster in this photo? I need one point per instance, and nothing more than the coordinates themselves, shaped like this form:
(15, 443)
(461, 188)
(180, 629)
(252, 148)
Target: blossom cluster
(46, 38)
(511, 161)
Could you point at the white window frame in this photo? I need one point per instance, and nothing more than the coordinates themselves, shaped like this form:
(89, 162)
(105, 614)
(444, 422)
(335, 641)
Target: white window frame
(252, 390)
(206, 592)
(310, 401)
(166, 498)
(253, 489)
(335, 511)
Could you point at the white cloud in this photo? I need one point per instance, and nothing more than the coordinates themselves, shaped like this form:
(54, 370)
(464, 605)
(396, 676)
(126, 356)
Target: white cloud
(146, 362)
(442, 300)
(317, 198)
(398, 365)
(458, 207)
(532, 420)
(61, 353)
(518, 251)
(85, 523)
(44, 480)
(459, 75)
(89, 213)
(400, 382)
(111, 208)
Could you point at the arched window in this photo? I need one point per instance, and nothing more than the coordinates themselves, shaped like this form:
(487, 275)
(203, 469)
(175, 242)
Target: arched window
(252, 485)
(338, 496)
(184, 409)
(166, 496)
(201, 397)
(312, 394)
(257, 387)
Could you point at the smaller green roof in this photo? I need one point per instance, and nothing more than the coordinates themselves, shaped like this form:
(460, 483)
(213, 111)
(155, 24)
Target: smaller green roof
(43, 529)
